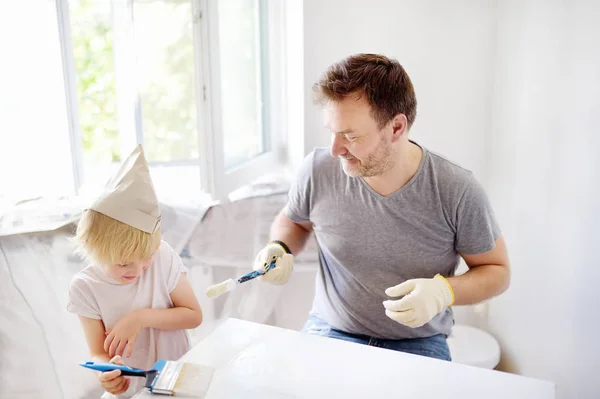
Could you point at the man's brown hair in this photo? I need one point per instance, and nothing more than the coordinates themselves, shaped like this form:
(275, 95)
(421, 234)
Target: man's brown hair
(382, 80)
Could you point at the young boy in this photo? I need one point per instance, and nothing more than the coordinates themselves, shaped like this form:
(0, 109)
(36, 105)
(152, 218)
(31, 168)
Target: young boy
(134, 300)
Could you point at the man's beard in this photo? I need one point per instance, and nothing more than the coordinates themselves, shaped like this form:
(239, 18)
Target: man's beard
(376, 163)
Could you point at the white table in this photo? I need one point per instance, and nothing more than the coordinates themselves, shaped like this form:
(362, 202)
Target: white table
(259, 361)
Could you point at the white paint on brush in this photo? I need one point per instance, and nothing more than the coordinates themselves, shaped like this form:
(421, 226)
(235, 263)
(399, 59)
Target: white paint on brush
(221, 288)
(193, 381)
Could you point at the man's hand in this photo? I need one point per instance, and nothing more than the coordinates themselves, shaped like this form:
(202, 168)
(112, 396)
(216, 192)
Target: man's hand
(112, 381)
(123, 334)
(283, 263)
(423, 299)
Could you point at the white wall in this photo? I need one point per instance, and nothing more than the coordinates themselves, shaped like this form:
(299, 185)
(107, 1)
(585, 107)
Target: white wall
(510, 90)
(543, 179)
(445, 48)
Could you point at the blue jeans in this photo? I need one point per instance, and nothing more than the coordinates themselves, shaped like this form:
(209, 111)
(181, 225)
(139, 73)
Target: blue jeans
(434, 346)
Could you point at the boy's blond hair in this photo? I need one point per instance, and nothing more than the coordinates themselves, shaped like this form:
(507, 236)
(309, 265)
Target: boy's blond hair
(107, 241)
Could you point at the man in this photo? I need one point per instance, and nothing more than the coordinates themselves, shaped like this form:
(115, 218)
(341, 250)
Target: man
(391, 218)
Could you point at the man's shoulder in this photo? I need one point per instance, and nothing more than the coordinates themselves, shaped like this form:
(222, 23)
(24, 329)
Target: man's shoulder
(322, 154)
(318, 165)
(448, 172)
(449, 178)
(321, 159)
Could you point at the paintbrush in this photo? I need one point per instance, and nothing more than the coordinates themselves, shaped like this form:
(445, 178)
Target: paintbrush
(231, 284)
(166, 377)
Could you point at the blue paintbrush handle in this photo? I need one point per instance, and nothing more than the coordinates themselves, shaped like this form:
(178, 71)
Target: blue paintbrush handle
(125, 370)
(254, 274)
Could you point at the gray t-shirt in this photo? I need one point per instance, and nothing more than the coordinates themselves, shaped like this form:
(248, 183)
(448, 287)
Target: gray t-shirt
(368, 242)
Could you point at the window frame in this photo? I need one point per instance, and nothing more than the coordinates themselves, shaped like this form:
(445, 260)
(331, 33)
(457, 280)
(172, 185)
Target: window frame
(70, 85)
(215, 179)
(223, 181)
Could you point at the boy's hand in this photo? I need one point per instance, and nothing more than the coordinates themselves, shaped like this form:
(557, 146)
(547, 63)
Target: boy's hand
(112, 381)
(123, 334)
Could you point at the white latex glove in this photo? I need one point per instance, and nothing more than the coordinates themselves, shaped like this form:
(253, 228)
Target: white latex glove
(280, 274)
(424, 298)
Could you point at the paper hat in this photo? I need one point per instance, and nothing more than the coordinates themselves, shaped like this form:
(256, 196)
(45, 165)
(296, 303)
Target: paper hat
(129, 196)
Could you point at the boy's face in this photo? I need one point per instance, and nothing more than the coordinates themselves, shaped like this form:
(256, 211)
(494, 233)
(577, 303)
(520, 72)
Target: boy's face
(128, 272)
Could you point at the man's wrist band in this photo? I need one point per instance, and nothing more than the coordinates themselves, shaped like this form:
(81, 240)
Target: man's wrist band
(282, 244)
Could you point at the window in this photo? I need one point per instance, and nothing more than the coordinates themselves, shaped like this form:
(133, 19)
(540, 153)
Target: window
(188, 79)
(34, 141)
(246, 105)
(241, 57)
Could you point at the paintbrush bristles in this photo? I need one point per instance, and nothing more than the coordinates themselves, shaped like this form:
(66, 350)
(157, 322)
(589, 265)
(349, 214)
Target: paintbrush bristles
(216, 290)
(193, 381)
(219, 289)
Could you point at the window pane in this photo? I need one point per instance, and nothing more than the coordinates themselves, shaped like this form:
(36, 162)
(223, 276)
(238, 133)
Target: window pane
(241, 88)
(35, 153)
(164, 48)
(92, 38)
(177, 184)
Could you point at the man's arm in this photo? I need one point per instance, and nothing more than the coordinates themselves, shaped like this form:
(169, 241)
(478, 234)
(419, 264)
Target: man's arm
(488, 276)
(294, 235)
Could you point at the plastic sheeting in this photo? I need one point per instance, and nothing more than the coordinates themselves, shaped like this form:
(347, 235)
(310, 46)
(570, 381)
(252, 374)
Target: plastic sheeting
(224, 246)
(41, 344)
(37, 214)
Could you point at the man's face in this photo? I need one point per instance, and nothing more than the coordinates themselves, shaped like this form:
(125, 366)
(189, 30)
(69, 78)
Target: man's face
(363, 148)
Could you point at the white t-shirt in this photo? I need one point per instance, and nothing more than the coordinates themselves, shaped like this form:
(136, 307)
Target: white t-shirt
(95, 295)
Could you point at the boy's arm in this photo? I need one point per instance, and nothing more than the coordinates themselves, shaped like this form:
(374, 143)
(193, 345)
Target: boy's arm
(186, 312)
(94, 336)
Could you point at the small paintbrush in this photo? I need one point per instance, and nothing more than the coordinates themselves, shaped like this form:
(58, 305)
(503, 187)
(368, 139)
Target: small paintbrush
(231, 284)
(166, 377)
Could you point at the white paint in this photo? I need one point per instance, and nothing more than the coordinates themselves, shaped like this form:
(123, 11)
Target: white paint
(259, 361)
(543, 176)
(219, 289)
